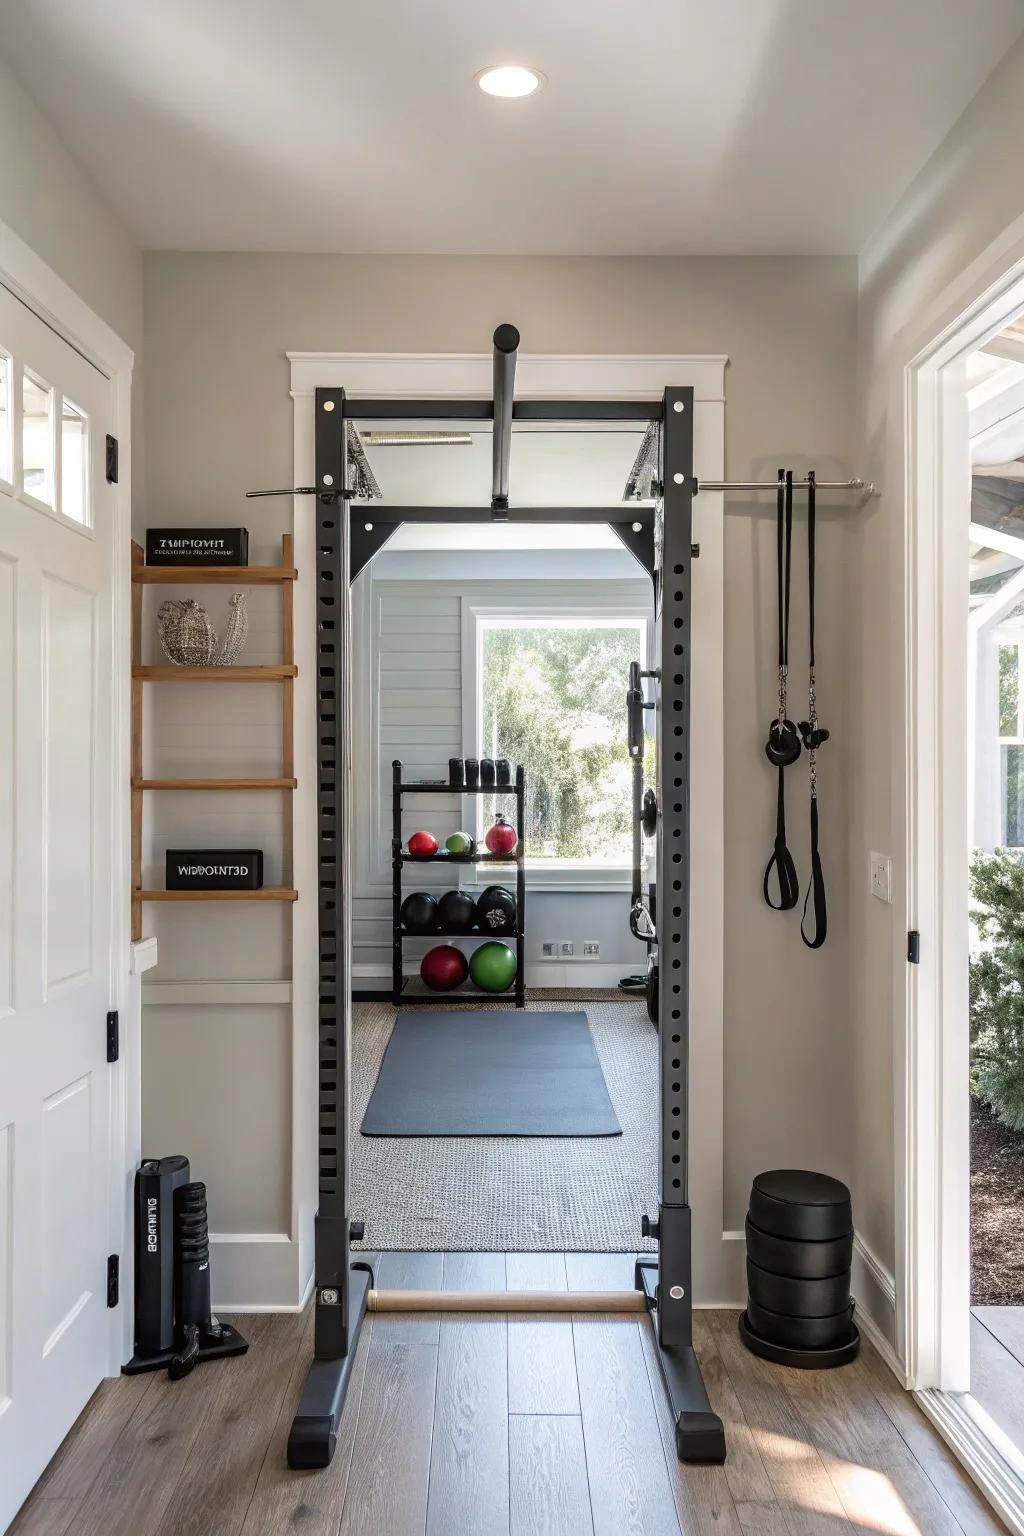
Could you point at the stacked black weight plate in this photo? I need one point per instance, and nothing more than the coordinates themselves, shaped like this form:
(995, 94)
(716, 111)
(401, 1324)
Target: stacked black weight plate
(799, 1251)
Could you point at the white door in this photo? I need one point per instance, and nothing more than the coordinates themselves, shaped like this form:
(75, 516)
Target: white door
(55, 890)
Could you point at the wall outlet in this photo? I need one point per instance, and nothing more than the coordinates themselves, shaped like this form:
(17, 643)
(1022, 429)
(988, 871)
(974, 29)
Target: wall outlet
(567, 947)
(881, 877)
(549, 951)
(591, 948)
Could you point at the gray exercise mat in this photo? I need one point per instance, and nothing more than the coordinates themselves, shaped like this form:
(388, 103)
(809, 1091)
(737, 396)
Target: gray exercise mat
(490, 1074)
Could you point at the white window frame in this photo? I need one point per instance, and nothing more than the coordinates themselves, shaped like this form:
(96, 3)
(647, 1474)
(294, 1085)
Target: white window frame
(546, 874)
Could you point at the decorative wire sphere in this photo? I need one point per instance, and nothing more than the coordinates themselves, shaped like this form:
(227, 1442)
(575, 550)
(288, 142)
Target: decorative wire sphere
(187, 636)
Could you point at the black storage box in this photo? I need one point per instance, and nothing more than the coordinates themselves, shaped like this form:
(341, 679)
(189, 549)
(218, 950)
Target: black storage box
(197, 546)
(214, 869)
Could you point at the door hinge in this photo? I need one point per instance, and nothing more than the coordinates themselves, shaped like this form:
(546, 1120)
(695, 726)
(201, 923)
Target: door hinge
(113, 1037)
(113, 1279)
(913, 947)
(111, 460)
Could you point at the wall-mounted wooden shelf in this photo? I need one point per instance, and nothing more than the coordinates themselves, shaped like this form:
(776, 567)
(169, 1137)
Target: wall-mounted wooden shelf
(173, 674)
(219, 575)
(284, 673)
(177, 784)
(265, 893)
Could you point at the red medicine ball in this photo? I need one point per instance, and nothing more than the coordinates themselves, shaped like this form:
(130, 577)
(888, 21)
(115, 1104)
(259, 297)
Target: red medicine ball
(423, 845)
(444, 968)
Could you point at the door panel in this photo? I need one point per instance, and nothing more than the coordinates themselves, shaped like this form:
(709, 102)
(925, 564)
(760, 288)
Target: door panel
(56, 851)
(69, 660)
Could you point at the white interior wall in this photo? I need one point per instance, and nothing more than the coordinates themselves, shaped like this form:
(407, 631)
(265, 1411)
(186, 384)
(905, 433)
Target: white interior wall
(220, 421)
(430, 588)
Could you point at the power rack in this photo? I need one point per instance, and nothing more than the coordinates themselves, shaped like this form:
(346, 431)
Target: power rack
(345, 543)
(399, 859)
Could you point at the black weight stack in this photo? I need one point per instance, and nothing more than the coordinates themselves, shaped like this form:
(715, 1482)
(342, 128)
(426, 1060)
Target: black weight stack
(799, 1250)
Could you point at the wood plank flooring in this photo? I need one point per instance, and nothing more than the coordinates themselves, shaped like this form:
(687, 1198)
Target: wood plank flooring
(494, 1426)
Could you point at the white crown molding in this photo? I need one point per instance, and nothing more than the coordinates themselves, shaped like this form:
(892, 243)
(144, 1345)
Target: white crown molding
(538, 375)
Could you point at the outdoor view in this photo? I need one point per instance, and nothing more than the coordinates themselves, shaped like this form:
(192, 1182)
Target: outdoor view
(997, 898)
(554, 699)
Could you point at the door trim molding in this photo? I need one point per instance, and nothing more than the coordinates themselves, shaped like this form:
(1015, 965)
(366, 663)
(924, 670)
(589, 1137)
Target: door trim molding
(929, 797)
(443, 375)
(47, 295)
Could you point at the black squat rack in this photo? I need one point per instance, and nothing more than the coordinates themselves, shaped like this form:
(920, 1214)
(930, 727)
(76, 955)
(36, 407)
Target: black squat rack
(439, 860)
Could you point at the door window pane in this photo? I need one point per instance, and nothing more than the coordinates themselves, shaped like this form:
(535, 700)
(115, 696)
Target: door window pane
(37, 438)
(1013, 797)
(1009, 689)
(5, 418)
(74, 462)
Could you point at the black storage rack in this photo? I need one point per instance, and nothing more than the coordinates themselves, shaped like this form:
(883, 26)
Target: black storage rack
(399, 859)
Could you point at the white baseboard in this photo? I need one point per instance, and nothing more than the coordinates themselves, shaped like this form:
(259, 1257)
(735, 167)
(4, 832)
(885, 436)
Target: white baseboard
(874, 1290)
(256, 1272)
(990, 1458)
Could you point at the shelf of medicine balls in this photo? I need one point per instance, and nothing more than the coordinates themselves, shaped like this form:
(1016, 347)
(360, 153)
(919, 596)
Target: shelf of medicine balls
(401, 992)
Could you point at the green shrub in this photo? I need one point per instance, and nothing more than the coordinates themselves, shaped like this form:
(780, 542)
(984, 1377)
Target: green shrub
(997, 985)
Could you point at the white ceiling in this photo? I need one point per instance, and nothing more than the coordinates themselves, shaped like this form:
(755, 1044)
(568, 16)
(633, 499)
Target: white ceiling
(665, 126)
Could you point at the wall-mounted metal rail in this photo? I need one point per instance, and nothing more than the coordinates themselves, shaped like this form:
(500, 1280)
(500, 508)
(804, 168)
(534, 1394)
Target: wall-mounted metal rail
(864, 488)
(506, 348)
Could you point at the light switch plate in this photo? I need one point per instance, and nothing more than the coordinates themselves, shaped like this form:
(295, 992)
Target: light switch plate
(549, 950)
(567, 947)
(881, 877)
(591, 948)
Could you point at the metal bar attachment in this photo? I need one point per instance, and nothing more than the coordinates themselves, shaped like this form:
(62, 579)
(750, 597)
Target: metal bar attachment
(506, 347)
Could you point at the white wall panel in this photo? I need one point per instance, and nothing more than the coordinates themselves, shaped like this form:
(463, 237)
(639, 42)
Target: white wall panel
(6, 1262)
(8, 810)
(69, 649)
(69, 1200)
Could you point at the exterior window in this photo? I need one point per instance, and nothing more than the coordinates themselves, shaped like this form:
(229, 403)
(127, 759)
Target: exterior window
(37, 438)
(1011, 745)
(74, 463)
(552, 697)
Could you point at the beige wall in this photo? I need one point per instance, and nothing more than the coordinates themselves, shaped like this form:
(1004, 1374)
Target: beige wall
(219, 420)
(51, 204)
(967, 194)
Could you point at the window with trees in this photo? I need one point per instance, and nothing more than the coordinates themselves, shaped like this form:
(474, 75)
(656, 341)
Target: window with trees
(552, 694)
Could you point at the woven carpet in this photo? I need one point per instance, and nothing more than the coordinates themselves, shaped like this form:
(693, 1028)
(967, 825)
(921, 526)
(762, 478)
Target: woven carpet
(516, 1193)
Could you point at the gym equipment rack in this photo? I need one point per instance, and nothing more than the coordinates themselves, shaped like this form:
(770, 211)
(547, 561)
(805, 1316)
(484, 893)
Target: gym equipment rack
(399, 858)
(346, 539)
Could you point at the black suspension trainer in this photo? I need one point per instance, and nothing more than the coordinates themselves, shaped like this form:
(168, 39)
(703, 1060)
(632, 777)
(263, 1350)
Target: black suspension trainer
(814, 736)
(783, 746)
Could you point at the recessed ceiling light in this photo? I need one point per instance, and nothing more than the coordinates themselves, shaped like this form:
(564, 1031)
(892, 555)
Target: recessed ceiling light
(510, 80)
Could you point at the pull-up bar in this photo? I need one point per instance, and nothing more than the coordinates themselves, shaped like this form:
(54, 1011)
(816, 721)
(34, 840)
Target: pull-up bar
(506, 346)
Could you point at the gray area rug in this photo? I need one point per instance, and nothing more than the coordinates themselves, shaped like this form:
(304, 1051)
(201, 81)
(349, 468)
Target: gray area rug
(516, 1193)
(490, 1072)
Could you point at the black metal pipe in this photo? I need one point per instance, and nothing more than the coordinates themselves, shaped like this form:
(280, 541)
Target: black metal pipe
(506, 346)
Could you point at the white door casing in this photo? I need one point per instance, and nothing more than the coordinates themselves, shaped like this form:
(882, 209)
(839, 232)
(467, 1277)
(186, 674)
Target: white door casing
(715, 1266)
(63, 1109)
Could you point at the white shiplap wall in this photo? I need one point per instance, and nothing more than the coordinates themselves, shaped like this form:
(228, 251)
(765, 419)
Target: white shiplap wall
(408, 647)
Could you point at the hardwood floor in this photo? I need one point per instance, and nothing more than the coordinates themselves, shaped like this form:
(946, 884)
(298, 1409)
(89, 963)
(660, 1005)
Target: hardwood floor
(485, 1426)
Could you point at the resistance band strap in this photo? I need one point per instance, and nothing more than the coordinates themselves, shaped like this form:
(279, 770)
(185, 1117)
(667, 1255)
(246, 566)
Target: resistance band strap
(781, 860)
(813, 737)
(783, 741)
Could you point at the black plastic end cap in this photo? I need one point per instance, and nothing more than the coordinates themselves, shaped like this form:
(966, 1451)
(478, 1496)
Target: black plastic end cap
(311, 1444)
(700, 1437)
(506, 338)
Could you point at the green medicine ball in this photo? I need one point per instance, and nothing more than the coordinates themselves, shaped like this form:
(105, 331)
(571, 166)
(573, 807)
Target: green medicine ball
(493, 967)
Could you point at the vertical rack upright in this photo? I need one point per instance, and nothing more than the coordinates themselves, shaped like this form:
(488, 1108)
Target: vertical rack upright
(399, 858)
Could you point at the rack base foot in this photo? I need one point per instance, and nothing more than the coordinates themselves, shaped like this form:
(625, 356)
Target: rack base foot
(700, 1434)
(314, 1432)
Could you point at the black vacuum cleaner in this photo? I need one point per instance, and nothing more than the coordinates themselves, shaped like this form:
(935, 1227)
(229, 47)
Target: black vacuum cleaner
(174, 1326)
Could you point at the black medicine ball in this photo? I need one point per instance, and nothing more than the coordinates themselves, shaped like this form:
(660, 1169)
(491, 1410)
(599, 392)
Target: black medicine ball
(419, 913)
(456, 912)
(496, 910)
